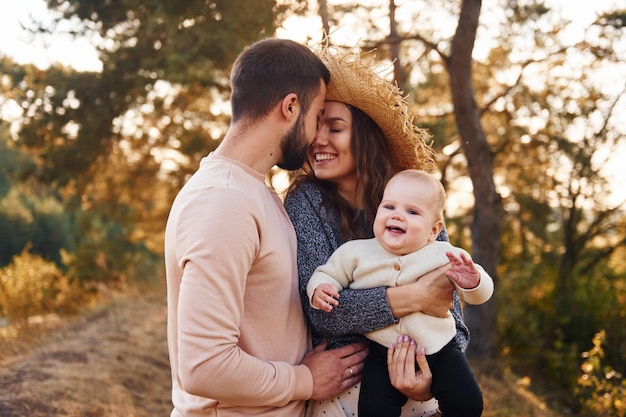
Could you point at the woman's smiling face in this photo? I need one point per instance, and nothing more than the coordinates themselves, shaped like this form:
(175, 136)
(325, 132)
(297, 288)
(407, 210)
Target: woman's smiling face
(330, 153)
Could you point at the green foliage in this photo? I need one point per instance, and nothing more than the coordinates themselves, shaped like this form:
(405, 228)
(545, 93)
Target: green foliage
(14, 165)
(96, 244)
(31, 286)
(105, 254)
(186, 42)
(36, 220)
(538, 339)
(30, 213)
(601, 389)
(187, 46)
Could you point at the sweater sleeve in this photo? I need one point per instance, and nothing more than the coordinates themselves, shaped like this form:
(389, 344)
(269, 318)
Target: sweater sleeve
(483, 291)
(462, 332)
(333, 272)
(359, 311)
(211, 305)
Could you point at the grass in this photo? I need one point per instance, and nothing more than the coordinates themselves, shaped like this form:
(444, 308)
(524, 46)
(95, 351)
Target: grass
(112, 361)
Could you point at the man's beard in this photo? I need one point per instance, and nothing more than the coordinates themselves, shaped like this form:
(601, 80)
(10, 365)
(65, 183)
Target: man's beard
(294, 146)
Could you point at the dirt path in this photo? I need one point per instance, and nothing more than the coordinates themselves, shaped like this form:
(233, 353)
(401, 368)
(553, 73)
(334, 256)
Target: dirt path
(112, 363)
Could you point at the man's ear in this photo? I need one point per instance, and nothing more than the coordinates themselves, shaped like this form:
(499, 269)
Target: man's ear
(290, 106)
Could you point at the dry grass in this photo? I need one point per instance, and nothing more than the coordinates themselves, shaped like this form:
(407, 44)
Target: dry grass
(507, 395)
(113, 362)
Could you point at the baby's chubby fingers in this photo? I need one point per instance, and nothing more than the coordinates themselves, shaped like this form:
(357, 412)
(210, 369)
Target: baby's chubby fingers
(325, 297)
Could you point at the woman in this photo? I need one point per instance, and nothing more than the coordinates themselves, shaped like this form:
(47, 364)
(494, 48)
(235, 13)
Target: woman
(365, 136)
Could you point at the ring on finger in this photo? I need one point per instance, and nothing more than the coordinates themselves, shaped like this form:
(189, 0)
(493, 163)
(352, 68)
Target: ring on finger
(351, 371)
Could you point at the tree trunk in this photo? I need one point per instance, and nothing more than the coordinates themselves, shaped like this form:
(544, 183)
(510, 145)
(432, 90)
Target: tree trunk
(323, 12)
(394, 47)
(487, 215)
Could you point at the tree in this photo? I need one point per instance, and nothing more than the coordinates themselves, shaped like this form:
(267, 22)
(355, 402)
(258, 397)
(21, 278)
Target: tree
(486, 222)
(186, 47)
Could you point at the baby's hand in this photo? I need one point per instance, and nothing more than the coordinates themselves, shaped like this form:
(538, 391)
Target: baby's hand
(325, 297)
(463, 272)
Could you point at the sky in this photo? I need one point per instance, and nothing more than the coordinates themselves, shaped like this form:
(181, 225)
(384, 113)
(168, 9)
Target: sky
(80, 54)
(18, 44)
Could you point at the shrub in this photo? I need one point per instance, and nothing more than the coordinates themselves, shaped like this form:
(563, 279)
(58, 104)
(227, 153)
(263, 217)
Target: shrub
(601, 390)
(31, 286)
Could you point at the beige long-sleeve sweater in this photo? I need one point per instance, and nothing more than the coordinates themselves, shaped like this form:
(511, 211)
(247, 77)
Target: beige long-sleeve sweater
(236, 330)
(365, 264)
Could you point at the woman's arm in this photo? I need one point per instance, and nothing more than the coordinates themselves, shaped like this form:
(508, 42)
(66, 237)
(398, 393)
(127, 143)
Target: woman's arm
(432, 294)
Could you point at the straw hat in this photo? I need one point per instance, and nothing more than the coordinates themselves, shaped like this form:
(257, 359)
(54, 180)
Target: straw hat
(353, 81)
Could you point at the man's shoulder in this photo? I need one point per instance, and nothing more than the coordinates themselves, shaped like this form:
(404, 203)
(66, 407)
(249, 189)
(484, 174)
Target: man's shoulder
(220, 186)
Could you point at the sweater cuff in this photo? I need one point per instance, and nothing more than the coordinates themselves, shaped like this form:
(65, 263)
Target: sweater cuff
(304, 383)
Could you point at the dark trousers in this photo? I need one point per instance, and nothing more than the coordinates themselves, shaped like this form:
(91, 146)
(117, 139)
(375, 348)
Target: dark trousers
(454, 385)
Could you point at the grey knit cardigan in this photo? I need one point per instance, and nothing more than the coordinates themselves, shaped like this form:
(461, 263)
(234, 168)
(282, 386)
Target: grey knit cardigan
(359, 311)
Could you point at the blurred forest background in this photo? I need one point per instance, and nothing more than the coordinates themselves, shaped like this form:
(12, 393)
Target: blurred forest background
(526, 112)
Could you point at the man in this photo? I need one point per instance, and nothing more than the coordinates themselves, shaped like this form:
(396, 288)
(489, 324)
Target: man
(238, 339)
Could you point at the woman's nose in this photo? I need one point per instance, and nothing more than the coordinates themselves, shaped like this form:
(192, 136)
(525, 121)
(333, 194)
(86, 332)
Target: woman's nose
(320, 138)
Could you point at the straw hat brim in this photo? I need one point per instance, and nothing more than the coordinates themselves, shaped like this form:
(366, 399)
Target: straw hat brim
(353, 81)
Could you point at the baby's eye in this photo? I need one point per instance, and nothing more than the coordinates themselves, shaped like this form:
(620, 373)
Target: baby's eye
(412, 212)
(388, 206)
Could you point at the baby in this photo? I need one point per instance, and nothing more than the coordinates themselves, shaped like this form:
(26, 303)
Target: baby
(404, 248)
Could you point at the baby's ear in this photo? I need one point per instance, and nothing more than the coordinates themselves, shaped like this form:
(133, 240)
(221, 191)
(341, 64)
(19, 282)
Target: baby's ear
(436, 229)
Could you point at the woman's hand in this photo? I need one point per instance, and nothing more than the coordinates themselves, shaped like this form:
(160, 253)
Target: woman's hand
(401, 360)
(431, 294)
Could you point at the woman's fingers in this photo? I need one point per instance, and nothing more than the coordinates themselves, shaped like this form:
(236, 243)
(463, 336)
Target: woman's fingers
(401, 360)
(401, 363)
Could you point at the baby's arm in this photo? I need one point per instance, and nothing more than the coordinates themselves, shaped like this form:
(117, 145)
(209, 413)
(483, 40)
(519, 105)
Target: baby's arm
(464, 272)
(325, 297)
(330, 278)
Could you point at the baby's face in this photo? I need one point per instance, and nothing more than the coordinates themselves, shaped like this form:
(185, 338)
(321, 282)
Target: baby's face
(405, 220)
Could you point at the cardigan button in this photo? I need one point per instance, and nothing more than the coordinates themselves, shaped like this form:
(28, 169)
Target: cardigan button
(396, 267)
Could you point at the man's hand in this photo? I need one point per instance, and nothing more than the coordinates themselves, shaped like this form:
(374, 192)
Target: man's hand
(335, 370)
(401, 363)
